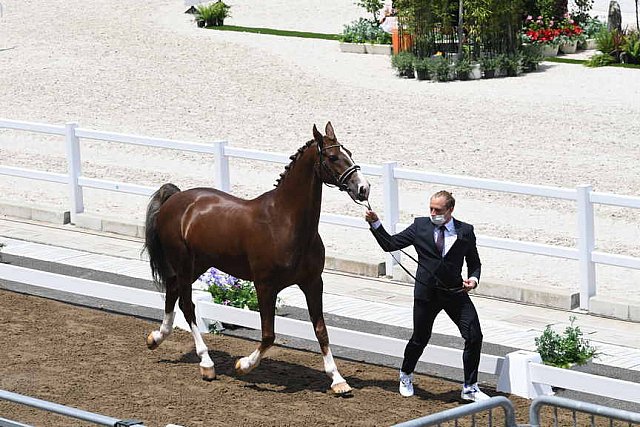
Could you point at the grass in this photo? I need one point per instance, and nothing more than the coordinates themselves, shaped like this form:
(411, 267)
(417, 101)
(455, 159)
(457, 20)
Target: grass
(274, 32)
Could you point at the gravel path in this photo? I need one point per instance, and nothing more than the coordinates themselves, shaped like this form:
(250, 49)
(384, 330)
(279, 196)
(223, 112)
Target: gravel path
(144, 68)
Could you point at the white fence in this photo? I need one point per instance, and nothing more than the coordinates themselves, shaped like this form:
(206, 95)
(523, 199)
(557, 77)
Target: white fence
(521, 379)
(583, 196)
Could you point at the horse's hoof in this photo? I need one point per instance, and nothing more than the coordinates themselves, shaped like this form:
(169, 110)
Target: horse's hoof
(151, 343)
(208, 374)
(342, 390)
(239, 369)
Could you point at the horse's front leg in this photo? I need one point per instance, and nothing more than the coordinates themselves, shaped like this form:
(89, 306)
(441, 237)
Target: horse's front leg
(267, 305)
(313, 294)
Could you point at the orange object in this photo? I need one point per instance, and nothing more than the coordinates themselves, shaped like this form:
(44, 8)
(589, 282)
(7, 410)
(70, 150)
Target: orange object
(401, 44)
(395, 41)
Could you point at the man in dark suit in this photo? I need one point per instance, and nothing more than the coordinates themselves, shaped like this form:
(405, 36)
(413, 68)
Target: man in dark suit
(442, 243)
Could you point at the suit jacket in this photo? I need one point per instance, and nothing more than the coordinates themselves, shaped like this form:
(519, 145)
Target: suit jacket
(434, 270)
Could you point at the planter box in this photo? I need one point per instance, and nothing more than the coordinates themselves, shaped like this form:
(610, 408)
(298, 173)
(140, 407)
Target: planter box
(352, 48)
(378, 49)
(569, 47)
(375, 49)
(549, 50)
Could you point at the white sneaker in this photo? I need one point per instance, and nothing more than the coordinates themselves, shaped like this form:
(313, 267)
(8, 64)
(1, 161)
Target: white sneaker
(473, 393)
(406, 384)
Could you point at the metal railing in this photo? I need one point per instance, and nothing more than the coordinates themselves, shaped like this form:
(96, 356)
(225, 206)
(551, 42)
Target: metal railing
(470, 410)
(62, 410)
(591, 410)
(583, 195)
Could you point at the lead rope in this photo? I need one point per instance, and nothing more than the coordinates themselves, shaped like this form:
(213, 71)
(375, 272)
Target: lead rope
(442, 287)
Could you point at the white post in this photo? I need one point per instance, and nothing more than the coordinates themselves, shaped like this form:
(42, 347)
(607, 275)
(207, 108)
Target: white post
(221, 168)
(391, 209)
(75, 170)
(586, 243)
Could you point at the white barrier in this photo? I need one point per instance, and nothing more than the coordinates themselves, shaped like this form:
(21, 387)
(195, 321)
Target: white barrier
(582, 195)
(508, 379)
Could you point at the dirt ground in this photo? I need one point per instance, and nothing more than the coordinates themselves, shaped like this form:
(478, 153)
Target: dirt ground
(97, 361)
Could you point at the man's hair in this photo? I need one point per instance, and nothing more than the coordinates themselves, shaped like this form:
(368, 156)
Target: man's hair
(448, 197)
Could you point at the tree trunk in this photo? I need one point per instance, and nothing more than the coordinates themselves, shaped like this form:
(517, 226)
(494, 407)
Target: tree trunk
(460, 29)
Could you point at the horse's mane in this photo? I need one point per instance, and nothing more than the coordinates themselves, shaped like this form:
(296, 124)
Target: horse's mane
(293, 158)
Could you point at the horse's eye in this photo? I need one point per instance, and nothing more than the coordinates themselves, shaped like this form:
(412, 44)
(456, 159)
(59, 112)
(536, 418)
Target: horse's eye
(333, 158)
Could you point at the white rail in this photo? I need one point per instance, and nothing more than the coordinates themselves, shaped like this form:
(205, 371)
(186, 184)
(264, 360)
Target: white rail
(583, 195)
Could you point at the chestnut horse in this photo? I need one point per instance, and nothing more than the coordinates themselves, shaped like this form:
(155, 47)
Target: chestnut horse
(271, 240)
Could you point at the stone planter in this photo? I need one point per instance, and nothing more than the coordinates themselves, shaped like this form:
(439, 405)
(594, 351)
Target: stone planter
(375, 49)
(589, 44)
(569, 47)
(549, 50)
(352, 48)
(378, 49)
(475, 72)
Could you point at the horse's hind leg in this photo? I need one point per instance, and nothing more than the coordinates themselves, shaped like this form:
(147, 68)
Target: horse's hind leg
(313, 294)
(155, 338)
(207, 369)
(267, 302)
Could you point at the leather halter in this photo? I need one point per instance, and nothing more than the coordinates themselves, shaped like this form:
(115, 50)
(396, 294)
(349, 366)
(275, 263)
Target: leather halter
(339, 180)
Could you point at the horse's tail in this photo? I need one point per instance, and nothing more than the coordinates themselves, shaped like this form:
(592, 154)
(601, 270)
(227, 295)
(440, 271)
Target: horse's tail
(152, 244)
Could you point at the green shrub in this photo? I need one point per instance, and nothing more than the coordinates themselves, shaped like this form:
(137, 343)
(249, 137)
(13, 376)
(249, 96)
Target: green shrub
(600, 60)
(440, 68)
(592, 26)
(403, 62)
(631, 48)
(564, 350)
(488, 63)
(363, 31)
(212, 13)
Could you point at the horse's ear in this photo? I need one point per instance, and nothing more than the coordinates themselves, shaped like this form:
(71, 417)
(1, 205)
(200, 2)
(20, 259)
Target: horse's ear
(328, 130)
(317, 136)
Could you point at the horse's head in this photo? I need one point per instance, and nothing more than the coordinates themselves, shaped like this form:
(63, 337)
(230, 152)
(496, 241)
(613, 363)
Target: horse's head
(337, 166)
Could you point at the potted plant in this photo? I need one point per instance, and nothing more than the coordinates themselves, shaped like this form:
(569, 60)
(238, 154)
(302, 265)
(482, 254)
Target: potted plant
(421, 65)
(462, 68)
(220, 12)
(488, 66)
(531, 58)
(541, 33)
(590, 28)
(228, 290)
(566, 350)
(204, 15)
(510, 64)
(403, 63)
(440, 68)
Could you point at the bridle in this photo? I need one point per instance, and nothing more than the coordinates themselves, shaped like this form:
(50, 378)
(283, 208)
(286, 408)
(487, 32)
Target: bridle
(340, 181)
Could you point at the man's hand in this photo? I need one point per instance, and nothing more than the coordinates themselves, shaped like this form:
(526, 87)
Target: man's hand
(371, 217)
(469, 284)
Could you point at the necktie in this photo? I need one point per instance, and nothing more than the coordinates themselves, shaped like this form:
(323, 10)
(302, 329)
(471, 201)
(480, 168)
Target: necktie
(440, 241)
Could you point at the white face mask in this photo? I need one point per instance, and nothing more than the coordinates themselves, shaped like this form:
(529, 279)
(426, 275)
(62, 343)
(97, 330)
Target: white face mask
(438, 219)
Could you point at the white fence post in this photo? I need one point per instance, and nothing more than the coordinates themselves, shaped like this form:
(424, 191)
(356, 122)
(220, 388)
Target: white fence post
(222, 180)
(75, 170)
(586, 243)
(391, 209)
